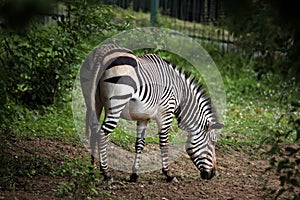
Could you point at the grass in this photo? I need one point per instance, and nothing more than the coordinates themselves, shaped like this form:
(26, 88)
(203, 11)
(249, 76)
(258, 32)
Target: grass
(50, 122)
(194, 29)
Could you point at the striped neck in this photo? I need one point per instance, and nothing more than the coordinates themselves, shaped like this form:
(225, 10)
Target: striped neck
(194, 110)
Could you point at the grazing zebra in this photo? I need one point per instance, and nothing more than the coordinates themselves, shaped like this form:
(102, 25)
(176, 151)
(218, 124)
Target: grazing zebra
(141, 88)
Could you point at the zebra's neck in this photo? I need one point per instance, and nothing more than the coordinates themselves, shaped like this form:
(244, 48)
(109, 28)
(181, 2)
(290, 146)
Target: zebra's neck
(194, 109)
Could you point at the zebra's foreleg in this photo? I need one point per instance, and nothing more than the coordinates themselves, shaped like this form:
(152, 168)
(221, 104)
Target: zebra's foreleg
(164, 125)
(139, 146)
(164, 148)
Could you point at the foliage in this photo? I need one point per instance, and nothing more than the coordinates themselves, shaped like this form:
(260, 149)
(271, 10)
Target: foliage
(37, 65)
(285, 157)
(268, 31)
(40, 61)
(262, 109)
(286, 162)
(49, 122)
(81, 179)
(7, 112)
(94, 18)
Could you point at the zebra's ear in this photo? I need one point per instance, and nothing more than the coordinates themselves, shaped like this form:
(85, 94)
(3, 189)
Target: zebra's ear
(215, 125)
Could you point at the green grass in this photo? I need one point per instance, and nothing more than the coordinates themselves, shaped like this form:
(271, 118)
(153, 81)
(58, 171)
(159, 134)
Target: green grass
(194, 29)
(50, 122)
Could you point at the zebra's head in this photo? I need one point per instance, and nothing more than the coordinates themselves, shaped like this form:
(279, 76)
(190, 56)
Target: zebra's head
(201, 149)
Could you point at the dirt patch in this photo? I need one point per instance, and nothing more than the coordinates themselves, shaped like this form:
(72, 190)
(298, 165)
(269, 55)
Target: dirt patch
(239, 176)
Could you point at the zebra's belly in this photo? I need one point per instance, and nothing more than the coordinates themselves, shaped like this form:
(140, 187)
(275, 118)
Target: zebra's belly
(136, 110)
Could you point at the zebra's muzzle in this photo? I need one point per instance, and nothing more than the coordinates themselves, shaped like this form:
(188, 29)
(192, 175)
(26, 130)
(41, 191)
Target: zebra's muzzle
(208, 175)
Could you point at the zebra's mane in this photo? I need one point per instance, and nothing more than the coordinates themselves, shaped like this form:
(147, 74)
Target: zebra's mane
(195, 87)
(191, 81)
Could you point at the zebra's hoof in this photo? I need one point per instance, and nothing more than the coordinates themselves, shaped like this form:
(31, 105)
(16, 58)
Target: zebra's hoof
(108, 178)
(172, 179)
(134, 177)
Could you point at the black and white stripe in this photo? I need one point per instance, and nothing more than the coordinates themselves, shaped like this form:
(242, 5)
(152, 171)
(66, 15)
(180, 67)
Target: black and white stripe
(141, 88)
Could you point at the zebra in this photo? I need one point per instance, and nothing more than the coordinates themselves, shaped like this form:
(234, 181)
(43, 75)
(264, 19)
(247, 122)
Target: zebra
(143, 88)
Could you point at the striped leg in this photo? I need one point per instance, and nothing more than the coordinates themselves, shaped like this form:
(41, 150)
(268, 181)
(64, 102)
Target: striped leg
(100, 137)
(164, 126)
(164, 148)
(112, 116)
(109, 124)
(102, 145)
(139, 146)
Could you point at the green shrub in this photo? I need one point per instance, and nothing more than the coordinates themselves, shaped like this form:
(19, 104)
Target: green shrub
(40, 63)
(81, 179)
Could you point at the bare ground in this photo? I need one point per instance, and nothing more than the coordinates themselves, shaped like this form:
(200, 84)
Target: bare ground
(239, 175)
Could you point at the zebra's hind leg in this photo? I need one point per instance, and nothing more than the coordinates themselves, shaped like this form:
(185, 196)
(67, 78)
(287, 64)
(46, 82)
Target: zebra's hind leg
(139, 146)
(109, 124)
(102, 147)
(94, 125)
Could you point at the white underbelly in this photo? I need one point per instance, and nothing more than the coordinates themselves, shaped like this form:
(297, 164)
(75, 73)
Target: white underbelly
(136, 110)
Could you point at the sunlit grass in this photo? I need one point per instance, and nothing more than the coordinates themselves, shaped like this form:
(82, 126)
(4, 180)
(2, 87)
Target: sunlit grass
(191, 28)
(51, 122)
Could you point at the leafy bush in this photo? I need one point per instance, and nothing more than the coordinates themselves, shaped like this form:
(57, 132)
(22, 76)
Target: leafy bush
(40, 61)
(37, 65)
(285, 150)
(82, 179)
